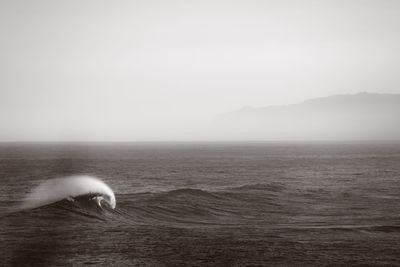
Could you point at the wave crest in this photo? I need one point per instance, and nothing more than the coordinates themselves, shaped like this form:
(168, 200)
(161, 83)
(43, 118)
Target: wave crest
(57, 189)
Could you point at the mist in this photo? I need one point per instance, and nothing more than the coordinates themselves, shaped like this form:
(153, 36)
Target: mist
(161, 71)
(357, 117)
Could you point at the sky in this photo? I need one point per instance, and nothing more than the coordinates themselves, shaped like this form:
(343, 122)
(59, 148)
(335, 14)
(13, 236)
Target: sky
(160, 70)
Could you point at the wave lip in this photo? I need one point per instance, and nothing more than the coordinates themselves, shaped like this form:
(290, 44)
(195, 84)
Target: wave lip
(57, 189)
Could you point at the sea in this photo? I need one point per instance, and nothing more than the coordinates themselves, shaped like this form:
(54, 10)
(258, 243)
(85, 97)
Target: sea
(201, 204)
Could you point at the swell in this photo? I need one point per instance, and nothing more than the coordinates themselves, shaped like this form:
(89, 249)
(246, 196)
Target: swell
(266, 187)
(266, 205)
(259, 205)
(179, 206)
(197, 206)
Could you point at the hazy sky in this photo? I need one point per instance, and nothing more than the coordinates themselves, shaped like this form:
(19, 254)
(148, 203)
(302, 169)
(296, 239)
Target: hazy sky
(157, 70)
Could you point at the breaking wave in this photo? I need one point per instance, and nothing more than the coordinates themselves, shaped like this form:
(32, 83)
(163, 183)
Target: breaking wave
(72, 189)
(272, 205)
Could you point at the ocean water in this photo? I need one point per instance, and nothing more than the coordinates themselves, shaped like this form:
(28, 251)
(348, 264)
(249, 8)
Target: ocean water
(205, 204)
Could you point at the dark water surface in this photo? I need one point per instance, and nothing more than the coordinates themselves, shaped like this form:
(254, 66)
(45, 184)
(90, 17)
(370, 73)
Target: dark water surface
(268, 204)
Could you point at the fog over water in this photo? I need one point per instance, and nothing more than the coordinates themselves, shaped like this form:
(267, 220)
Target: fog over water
(357, 117)
(157, 70)
(199, 133)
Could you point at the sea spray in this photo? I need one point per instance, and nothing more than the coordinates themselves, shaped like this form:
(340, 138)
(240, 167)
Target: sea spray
(57, 189)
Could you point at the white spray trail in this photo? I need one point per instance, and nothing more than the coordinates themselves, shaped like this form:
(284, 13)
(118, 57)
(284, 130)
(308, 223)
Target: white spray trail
(53, 190)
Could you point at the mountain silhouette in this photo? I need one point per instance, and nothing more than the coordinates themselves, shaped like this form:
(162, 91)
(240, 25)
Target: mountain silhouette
(362, 116)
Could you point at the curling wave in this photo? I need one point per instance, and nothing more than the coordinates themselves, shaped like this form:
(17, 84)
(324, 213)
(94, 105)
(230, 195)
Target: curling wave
(69, 188)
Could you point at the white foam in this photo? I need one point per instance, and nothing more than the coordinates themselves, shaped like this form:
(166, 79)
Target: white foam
(53, 190)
